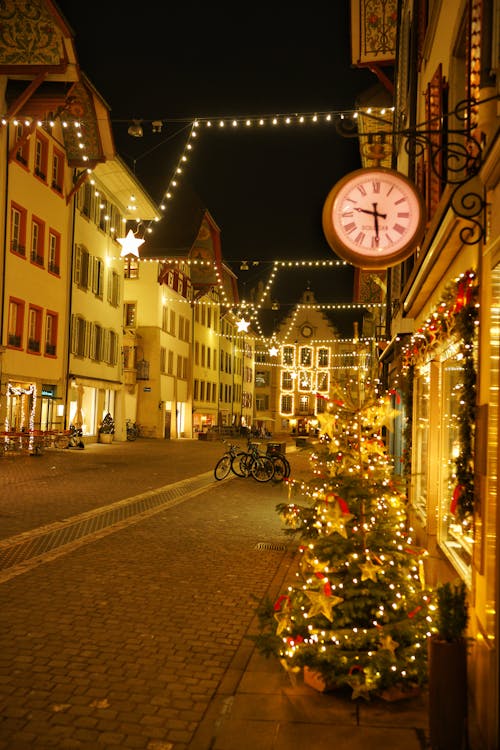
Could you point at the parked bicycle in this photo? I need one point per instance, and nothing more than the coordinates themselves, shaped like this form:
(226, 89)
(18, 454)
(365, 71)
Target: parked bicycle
(256, 464)
(281, 463)
(230, 461)
(132, 430)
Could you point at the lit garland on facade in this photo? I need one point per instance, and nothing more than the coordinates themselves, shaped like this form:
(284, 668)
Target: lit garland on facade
(457, 316)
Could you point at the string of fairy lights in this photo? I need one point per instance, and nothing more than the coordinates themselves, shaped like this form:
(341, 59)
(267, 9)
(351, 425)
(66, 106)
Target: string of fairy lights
(195, 126)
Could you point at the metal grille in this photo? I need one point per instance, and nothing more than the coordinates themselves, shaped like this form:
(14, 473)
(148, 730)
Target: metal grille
(275, 546)
(29, 545)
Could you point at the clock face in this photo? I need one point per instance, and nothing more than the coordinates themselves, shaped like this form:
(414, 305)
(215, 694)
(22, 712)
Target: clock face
(306, 331)
(374, 218)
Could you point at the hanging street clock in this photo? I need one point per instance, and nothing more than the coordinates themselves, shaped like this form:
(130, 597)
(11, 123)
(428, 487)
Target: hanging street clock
(374, 218)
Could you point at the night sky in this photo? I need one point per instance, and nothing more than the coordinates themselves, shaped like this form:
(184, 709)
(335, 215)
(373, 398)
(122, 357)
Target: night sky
(265, 188)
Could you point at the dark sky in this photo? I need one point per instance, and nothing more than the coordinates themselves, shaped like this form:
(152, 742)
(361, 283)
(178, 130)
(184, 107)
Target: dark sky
(265, 188)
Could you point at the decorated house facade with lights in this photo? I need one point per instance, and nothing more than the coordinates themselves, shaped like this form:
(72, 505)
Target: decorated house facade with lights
(441, 359)
(304, 368)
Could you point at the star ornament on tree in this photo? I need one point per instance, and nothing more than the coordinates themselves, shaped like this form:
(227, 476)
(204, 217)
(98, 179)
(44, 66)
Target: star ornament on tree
(335, 518)
(369, 571)
(388, 644)
(130, 244)
(322, 604)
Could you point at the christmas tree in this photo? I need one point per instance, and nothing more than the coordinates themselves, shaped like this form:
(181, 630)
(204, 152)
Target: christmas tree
(358, 613)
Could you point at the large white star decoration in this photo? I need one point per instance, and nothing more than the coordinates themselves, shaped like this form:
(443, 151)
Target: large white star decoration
(273, 351)
(322, 604)
(243, 325)
(130, 244)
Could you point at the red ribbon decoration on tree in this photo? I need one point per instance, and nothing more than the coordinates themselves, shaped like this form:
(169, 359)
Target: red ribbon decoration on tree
(327, 589)
(279, 602)
(342, 503)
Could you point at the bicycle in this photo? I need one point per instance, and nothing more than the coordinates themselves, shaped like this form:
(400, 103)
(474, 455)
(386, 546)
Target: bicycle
(132, 430)
(230, 461)
(281, 466)
(260, 466)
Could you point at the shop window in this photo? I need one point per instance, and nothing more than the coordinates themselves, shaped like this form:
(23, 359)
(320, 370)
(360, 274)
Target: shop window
(420, 453)
(454, 536)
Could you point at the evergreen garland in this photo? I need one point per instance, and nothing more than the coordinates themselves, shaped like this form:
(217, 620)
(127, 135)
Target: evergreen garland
(455, 317)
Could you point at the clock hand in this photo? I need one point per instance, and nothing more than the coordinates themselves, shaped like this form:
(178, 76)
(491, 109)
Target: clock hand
(372, 213)
(375, 219)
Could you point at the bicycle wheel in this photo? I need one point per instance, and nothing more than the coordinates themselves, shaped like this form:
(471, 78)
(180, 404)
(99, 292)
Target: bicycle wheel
(280, 468)
(287, 464)
(61, 441)
(131, 434)
(262, 469)
(239, 464)
(222, 468)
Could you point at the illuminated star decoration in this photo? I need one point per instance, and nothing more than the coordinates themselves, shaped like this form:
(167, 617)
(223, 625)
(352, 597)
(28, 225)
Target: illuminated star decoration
(335, 518)
(273, 351)
(243, 325)
(130, 244)
(322, 604)
(369, 571)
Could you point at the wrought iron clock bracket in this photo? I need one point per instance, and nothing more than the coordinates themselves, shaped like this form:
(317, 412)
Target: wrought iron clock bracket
(454, 155)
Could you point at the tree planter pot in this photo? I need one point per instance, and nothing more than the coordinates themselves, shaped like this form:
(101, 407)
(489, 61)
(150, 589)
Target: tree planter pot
(106, 437)
(448, 694)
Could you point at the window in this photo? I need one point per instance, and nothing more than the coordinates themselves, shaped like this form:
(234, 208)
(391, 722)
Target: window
(186, 330)
(54, 258)
(304, 405)
(202, 390)
(96, 343)
(321, 405)
(22, 153)
(262, 402)
(196, 353)
(456, 537)
(179, 366)
(420, 454)
(98, 277)
(323, 357)
(37, 236)
(203, 355)
(305, 380)
(195, 390)
(112, 358)
(286, 404)
(113, 288)
(288, 355)
(261, 378)
(18, 230)
(172, 322)
(51, 334)
(34, 329)
(78, 335)
(16, 323)
(286, 380)
(164, 318)
(129, 314)
(41, 157)
(130, 267)
(163, 360)
(305, 356)
(322, 381)
(81, 267)
(57, 171)
(170, 366)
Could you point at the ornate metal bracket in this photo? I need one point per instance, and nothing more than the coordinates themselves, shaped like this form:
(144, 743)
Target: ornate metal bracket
(454, 156)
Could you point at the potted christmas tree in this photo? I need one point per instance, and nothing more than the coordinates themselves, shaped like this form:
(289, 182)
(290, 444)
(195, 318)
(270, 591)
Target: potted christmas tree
(356, 617)
(107, 429)
(448, 669)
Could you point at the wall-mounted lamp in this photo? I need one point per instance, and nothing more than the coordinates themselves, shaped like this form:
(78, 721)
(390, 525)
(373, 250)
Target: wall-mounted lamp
(244, 266)
(135, 129)
(157, 126)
